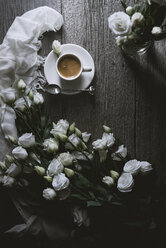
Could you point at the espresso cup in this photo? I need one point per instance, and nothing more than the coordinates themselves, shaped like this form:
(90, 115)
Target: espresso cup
(70, 67)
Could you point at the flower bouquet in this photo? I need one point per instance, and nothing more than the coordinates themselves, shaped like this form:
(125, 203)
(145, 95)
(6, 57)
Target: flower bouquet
(55, 162)
(137, 27)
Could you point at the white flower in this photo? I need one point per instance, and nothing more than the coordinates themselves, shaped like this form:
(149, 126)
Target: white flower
(19, 153)
(132, 166)
(51, 145)
(119, 23)
(86, 136)
(56, 47)
(66, 158)
(80, 156)
(20, 103)
(60, 182)
(55, 167)
(49, 194)
(14, 170)
(125, 182)
(122, 151)
(21, 85)
(8, 181)
(26, 140)
(156, 31)
(109, 139)
(61, 127)
(38, 99)
(8, 95)
(108, 180)
(137, 18)
(146, 167)
(120, 40)
(99, 145)
(74, 139)
(40, 170)
(129, 10)
(69, 173)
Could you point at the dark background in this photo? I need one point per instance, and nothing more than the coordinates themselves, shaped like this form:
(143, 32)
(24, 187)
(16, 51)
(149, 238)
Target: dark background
(130, 98)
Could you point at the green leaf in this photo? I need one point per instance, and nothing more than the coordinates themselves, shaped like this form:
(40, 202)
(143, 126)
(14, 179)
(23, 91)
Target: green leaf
(124, 5)
(80, 197)
(94, 204)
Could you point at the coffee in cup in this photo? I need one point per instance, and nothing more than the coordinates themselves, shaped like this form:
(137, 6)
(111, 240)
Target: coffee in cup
(69, 67)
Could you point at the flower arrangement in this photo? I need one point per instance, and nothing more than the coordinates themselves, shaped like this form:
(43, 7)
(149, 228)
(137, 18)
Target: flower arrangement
(61, 161)
(139, 24)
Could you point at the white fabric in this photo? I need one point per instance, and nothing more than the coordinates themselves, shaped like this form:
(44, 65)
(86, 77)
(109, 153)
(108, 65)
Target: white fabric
(19, 58)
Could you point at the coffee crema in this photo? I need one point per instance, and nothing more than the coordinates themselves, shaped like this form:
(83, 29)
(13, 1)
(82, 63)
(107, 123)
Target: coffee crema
(69, 66)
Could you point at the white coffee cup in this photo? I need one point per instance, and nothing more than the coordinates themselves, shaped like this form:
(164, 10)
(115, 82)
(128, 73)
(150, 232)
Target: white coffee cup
(73, 77)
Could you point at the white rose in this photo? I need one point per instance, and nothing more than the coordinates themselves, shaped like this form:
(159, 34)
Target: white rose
(8, 181)
(19, 153)
(132, 166)
(125, 182)
(74, 139)
(38, 99)
(55, 167)
(86, 136)
(26, 140)
(146, 167)
(108, 181)
(60, 182)
(137, 18)
(120, 40)
(66, 158)
(49, 194)
(56, 47)
(8, 95)
(129, 10)
(156, 31)
(119, 23)
(99, 145)
(51, 145)
(20, 103)
(61, 127)
(109, 139)
(14, 170)
(122, 152)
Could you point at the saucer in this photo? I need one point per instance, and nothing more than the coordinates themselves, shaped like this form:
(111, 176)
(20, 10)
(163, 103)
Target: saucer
(80, 83)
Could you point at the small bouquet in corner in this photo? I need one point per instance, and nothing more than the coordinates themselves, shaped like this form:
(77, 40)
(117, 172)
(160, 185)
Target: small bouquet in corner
(138, 24)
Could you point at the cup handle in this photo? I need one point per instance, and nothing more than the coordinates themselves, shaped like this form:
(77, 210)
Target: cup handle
(86, 69)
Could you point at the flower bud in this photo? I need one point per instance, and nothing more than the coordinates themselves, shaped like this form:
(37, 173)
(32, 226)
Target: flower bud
(114, 174)
(48, 179)
(40, 170)
(78, 132)
(156, 31)
(12, 139)
(106, 129)
(49, 194)
(109, 181)
(21, 85)
(31, 95)
(84, 146)
(9, 158)
(62, 137)
(72, 128)
(2, 166)
(56, 47)
(38, 99)
(130, 10)
(69, 173)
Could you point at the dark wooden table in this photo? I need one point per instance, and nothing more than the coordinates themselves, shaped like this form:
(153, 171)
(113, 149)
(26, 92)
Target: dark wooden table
(130, 96)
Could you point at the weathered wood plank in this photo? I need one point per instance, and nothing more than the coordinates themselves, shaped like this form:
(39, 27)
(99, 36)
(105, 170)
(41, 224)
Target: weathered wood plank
(86, 24)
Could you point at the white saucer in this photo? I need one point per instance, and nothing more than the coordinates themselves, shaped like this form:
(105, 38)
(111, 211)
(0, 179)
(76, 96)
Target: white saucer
(80, 83)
